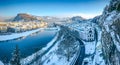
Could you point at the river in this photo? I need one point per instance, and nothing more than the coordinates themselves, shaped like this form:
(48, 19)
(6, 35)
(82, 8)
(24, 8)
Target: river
(27, 45)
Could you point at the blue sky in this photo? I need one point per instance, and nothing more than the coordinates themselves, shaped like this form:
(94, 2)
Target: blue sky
(85, 8)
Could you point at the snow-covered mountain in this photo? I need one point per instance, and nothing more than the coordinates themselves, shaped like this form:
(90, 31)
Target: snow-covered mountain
(51, 19)
(109, 21)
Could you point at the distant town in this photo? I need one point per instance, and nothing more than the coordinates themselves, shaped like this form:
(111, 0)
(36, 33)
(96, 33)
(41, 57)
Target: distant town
(16, 27)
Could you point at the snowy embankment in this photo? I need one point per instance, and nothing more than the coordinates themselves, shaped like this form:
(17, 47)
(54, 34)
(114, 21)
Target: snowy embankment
(52, 58)
(17, 35)
(23, 34)
(30, 58)
(1, 63)
(90, 47)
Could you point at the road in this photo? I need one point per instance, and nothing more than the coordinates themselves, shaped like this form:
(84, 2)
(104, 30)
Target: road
(82, 53)
(81, 49)
(82, 46)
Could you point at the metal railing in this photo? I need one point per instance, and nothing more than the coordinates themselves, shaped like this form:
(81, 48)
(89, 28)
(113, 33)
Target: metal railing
(75, 58)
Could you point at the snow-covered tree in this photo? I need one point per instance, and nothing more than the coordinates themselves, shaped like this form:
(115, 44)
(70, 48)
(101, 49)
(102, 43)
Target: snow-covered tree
(5, 60)
(15, 57)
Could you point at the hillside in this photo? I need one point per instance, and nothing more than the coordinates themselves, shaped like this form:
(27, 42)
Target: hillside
(110, 24)
(25, 17)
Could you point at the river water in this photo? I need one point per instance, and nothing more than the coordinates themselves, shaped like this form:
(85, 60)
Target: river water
(27, 45)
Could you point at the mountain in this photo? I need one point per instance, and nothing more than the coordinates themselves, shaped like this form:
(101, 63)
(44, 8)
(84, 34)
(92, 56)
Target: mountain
(25, 17)
(77, 18)
(109, 21)
(51, 19)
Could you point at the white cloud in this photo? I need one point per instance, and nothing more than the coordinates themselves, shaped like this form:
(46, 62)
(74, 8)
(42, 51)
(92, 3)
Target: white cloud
(84, 15)
(87, 16)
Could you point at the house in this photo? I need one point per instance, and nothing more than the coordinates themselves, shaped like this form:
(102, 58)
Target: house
(3, 27)
(14, 29)
(87, 33)
(90, 35)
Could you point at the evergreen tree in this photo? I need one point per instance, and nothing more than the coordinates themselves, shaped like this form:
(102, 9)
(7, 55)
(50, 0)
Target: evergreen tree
(5, 60)
(15, 57)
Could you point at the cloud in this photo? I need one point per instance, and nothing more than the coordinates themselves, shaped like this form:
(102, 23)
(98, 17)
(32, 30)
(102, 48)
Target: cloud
(87, 16)
(84, 15)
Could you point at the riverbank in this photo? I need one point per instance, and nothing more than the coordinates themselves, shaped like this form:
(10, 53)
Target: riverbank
(30, 59)
(19, 35)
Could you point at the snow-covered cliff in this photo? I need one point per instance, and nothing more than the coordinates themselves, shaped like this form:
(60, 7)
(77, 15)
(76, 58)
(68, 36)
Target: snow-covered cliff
(110, 24)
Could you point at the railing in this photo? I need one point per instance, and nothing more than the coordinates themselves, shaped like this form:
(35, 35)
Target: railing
(75, 58)
(78, 54)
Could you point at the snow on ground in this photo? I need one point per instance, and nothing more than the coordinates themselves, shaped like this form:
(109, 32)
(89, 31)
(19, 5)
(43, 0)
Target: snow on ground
(52, 58)
(1, 63)
(17, 35)
(87, 61)
(31, 57)
(110, 17)
(115, 41)
(98, 58)
(90, 47)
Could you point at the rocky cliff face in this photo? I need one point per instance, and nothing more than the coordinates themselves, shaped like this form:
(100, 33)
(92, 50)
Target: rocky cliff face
(110, 24)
